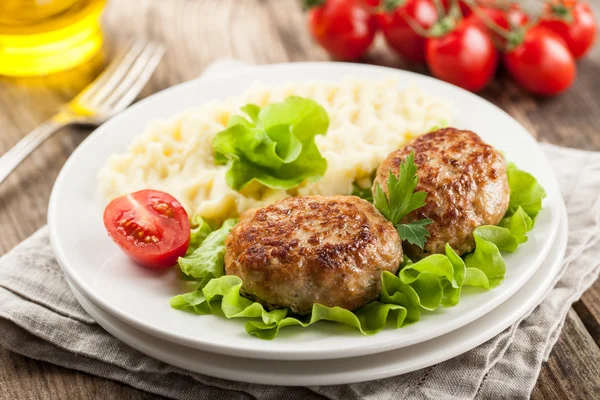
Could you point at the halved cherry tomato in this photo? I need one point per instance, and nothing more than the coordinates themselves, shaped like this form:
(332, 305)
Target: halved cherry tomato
(579, 33)
(398, 33)
(345, 28)
(150, 226)
(542, 64)
(465, 57)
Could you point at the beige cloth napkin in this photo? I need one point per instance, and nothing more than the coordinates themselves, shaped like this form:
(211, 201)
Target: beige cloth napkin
(40, 318)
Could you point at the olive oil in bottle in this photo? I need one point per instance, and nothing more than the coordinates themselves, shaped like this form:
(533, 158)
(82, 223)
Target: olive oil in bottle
(40, 37)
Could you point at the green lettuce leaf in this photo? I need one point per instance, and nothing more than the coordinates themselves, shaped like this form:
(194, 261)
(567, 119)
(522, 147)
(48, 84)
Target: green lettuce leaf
(368, 320)
(443, 123)
(199, 230)
(525, 192)
(487, 259)
(225, 293)
(518, 224)
(451, 289)
(433, 282)
(437, 279)
(275, 146)
(207, 261)
(363, 193)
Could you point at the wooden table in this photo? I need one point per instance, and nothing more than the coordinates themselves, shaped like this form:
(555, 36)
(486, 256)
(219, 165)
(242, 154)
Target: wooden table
(268, 31)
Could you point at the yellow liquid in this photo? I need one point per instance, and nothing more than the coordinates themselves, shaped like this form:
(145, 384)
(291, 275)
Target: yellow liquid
(40, 37)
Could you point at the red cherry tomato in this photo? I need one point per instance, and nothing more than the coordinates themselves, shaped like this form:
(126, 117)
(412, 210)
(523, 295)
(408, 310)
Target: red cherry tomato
(150, 226)
(542, 64)
(345, 28)
(398, 33)
(579, 34)
(465, 57)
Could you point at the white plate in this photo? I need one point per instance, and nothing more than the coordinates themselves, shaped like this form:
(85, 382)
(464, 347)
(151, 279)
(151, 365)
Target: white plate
(348, 370)
(140, 297)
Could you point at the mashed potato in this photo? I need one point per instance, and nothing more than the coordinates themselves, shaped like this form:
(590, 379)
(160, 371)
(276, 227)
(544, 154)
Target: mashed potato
(368, 120)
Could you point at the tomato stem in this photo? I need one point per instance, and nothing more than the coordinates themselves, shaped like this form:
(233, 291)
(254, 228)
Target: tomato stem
(561, 12)
(490, 23)
(308, 4)
(445, 24)
(448, 22)
(439, 8)
(391, 5)
(415, 26)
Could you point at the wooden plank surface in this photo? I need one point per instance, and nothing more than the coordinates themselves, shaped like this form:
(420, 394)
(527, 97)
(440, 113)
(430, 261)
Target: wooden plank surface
(258, 31)
(563, 376)
(588, 309)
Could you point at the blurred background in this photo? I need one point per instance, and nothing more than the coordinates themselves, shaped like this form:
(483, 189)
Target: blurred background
(41, 37)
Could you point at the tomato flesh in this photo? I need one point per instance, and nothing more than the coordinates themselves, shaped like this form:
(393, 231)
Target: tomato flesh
(150, 226)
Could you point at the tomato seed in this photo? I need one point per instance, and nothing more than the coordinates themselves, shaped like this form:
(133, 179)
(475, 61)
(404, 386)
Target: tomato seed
(130, 227)
(163, 209)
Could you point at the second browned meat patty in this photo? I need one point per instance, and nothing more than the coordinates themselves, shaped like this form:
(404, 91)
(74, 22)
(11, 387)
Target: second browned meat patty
(313, 249)
(466, 184)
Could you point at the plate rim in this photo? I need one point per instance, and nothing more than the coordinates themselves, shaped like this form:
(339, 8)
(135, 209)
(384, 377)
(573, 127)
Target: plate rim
(197, 342)
(254, 375)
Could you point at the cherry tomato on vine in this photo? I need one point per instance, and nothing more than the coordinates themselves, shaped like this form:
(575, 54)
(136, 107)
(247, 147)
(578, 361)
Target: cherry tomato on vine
(398, 33)
(150, 226)
(542, 64)
(465, 57)
(575, 23)
(345, 28)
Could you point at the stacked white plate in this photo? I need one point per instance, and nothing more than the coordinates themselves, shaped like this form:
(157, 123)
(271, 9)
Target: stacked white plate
(132, 303)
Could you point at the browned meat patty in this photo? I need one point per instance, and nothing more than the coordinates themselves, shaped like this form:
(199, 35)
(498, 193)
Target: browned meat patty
(313, 249)
(466, 184)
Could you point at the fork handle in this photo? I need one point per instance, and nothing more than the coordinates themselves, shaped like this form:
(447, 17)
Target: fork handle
(13, 157)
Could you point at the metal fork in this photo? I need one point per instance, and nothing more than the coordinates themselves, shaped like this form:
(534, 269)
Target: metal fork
(113, 90)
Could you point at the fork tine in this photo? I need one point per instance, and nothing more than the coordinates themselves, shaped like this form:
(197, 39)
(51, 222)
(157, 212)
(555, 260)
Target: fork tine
(135, 80)
(101, 79)
(111, 77)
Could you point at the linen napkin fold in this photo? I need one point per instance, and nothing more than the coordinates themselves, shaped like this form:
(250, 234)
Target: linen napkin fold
(40, 318)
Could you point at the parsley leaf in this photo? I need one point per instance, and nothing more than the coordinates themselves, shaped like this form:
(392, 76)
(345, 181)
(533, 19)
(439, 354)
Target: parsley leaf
(415, 232)
(401, 200)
